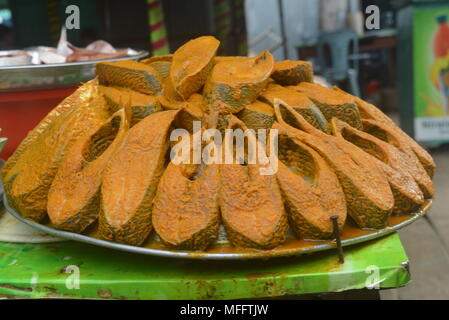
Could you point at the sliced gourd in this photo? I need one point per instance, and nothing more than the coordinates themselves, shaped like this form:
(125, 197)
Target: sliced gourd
(33, 167)
(137, 105)
(164, 57)
(191, 110)
(185, 213)
(331, 103)
(131, 178)
(257, 115)
(191, 66)
(298, 101)
(82, 94)
(405, 182)
(236, 83)
(311, 191)
(290, 73)
(162, 64)
(368, 195)
(371, 112)
(251, 203)
(73, 199)
(218, 59)
(187, 116)
(163, 67)
(392, 136)
(130, 74)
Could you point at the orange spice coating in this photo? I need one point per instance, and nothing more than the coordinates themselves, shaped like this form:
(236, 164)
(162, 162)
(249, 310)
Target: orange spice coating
(405, 181)
(73, 198)
(191, 65)
(185, 213)
(237, 82)
(298, 101)
(130, 74)
(310, 189)
(137, 105)
(368, 195)
(29, 173)
(407, 144)
(289, 73)
(251, 204)
(257, 115)
(331, 103)
(392, 136)
(327, 164)
(131, 178)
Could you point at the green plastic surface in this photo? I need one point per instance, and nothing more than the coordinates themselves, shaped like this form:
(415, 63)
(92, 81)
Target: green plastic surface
(51, 271)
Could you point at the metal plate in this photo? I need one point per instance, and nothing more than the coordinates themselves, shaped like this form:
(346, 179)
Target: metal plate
(224, 251)
(49, 76)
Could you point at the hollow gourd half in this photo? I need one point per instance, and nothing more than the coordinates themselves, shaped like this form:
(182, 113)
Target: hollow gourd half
(130, 74)
(290, 73)
(331, 103)
(186, 213)
(131, 178)
(368, 195)
(29, 173)
(73, 199)
(298, 101)
(191, 66)
(257, 115)
(137, 105)
(311, 191)
(407, 185)
(396, 136)
(250, 202)
(235, 83)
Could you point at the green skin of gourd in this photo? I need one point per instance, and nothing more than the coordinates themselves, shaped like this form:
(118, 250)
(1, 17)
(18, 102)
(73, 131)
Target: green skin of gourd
(338, 154)
(302, 199)
(227, 99)
(138, 227)
(59, 131)
(406, 191)
(300, 73)
(256, 120)
(136, 112)
(346, 112)
(163, 67)
(100, 146)
(144, 81)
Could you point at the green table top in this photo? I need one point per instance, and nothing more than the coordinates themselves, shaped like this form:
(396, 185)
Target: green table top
(75, 270)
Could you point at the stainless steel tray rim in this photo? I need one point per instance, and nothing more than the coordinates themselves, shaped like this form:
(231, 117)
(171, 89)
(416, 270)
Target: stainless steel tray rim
(140, 54)
(211, 256)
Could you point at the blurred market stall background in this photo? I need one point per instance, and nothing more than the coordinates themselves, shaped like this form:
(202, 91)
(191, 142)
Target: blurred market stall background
(397, 60)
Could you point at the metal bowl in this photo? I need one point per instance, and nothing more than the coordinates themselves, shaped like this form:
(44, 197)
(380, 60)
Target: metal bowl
(50, 76)
(223, 250)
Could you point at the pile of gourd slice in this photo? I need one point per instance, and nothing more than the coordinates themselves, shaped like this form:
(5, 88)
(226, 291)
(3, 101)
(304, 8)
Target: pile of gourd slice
(101, 157)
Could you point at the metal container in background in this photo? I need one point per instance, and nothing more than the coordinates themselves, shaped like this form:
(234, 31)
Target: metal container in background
(51, 76)
(29, 92)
